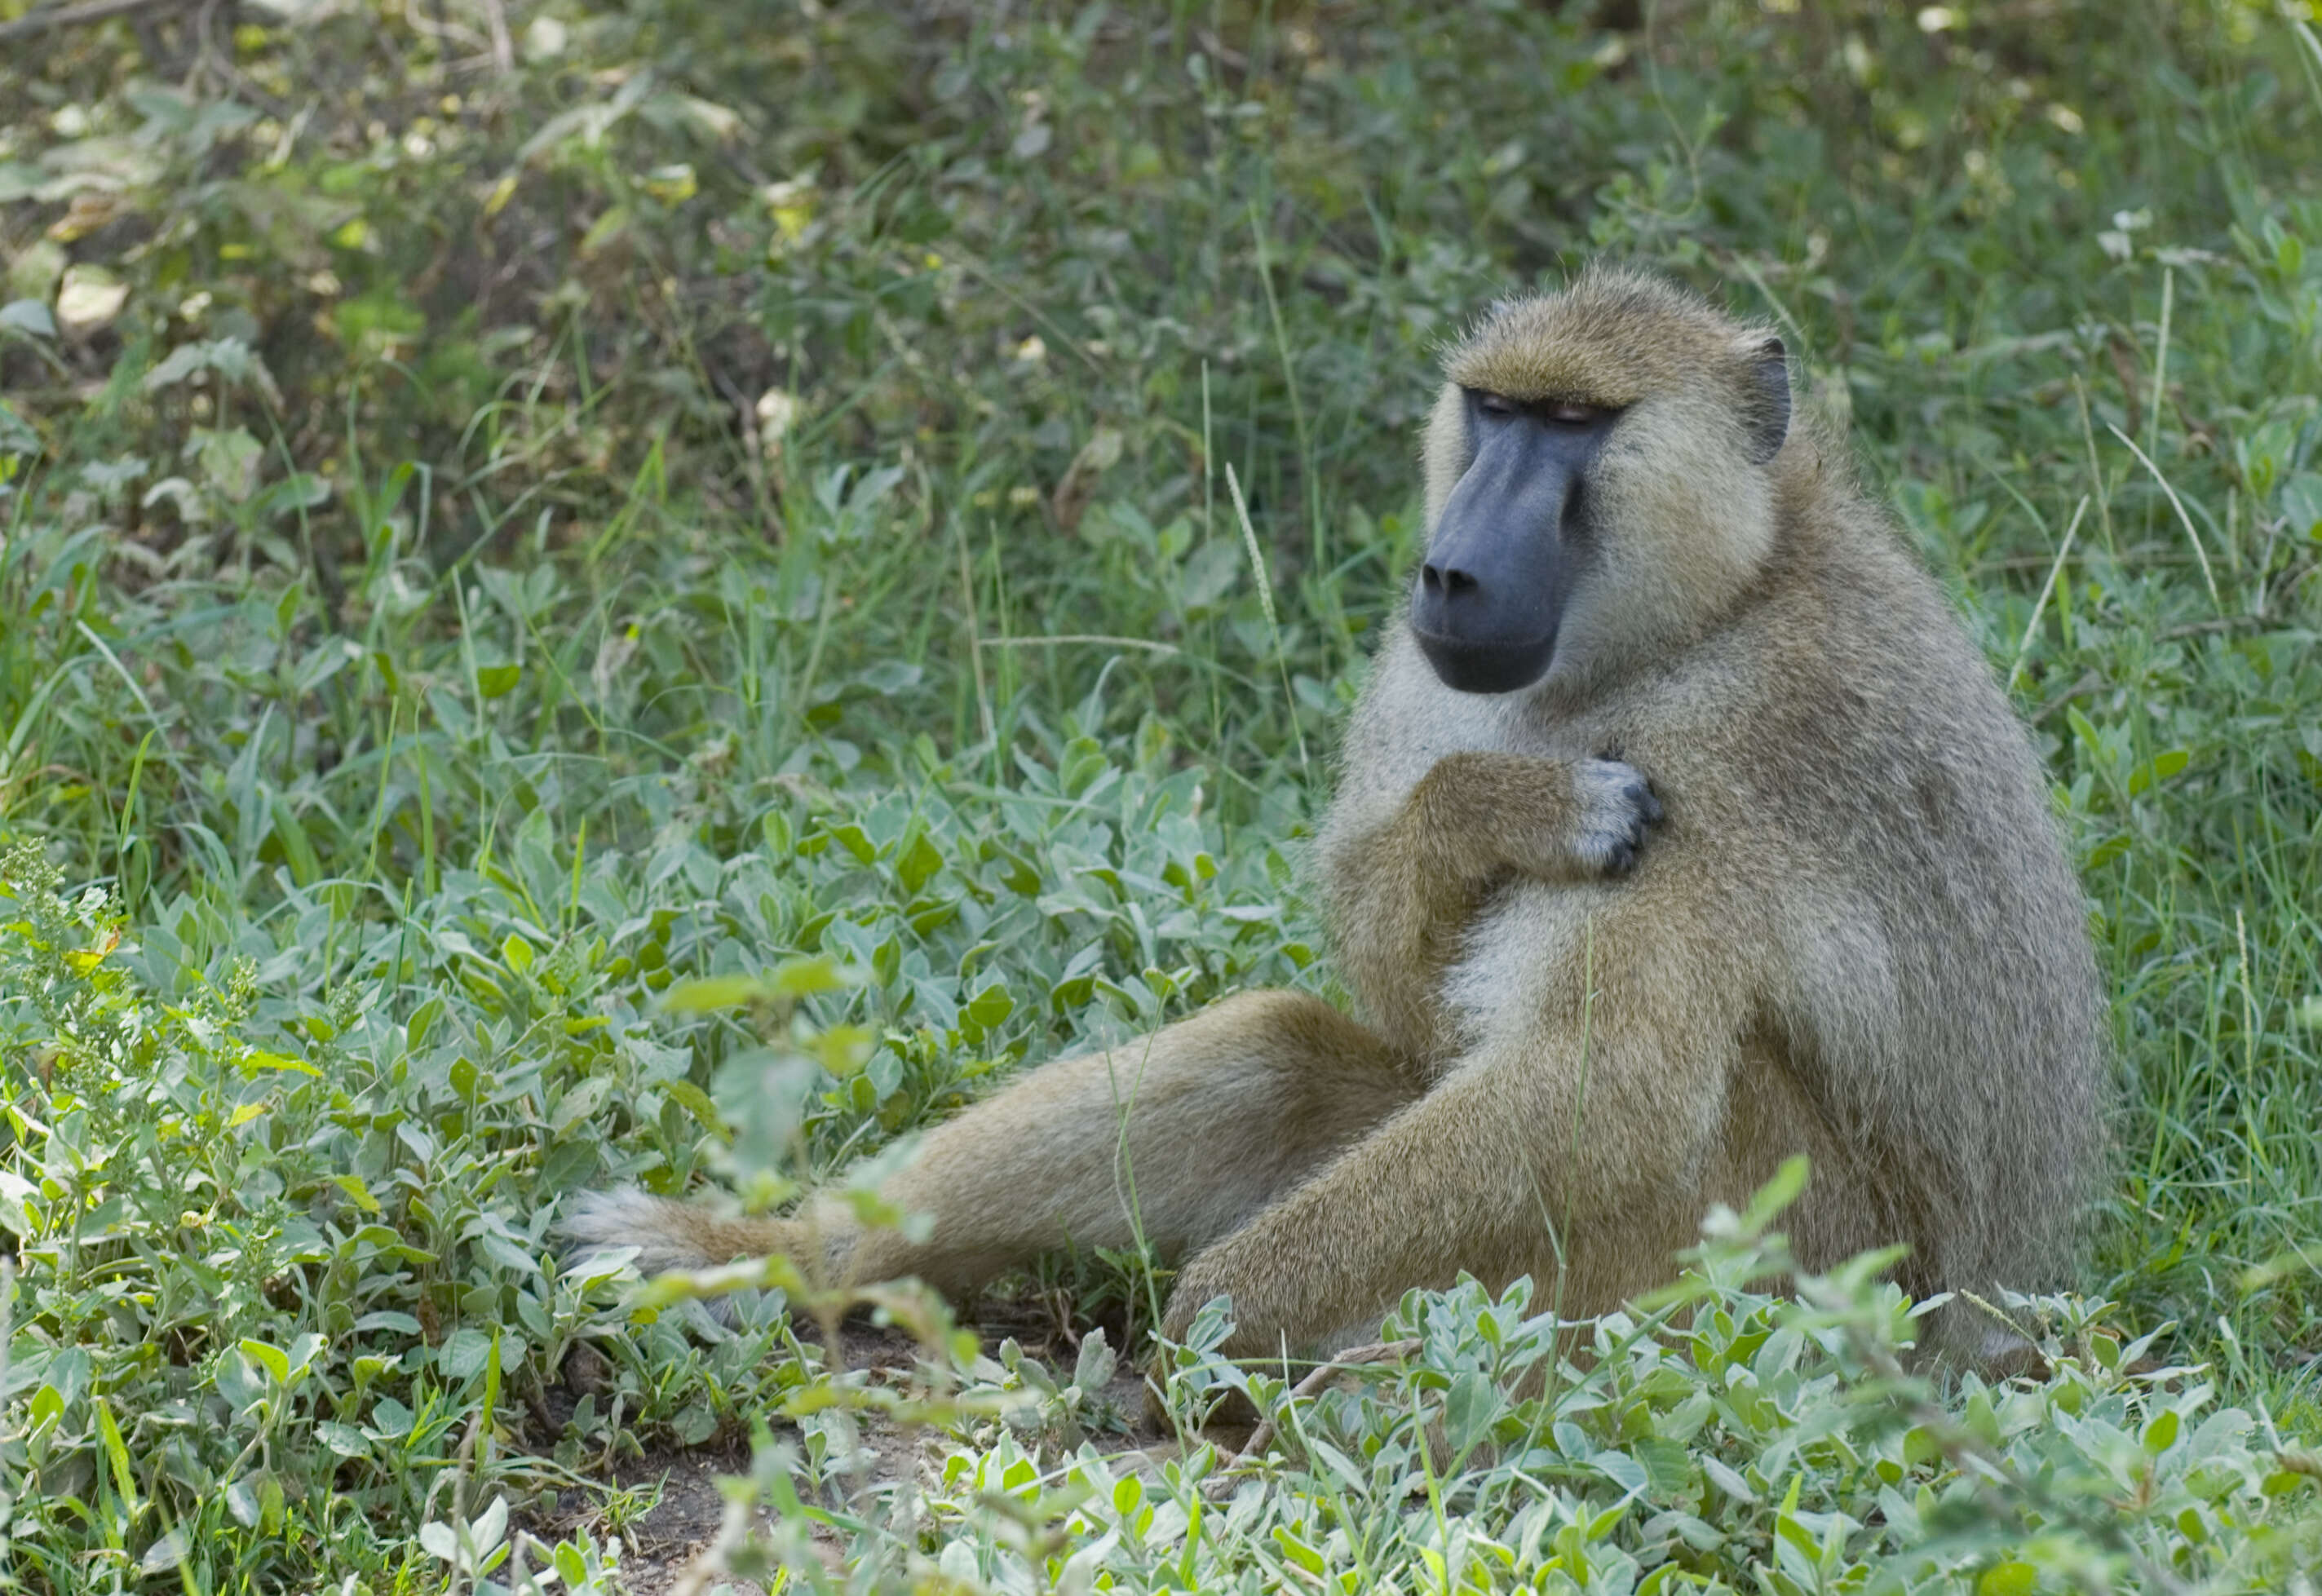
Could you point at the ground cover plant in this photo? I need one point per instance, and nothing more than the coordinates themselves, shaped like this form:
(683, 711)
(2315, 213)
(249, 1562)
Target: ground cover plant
(659, 591)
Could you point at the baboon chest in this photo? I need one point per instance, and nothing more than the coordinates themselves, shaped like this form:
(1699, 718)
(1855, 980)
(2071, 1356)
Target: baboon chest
(1492, 988)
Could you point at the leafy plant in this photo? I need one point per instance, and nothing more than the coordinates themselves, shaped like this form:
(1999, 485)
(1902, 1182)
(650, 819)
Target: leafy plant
(653, 594)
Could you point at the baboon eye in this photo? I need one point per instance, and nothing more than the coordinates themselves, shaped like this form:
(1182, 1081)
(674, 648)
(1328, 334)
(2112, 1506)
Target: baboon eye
(1496, 405)
(1570, 412)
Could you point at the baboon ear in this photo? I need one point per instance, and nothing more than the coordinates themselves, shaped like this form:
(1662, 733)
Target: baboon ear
(1767, 417)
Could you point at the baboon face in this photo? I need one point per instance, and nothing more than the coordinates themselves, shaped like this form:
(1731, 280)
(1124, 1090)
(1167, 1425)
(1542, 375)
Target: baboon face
(1598, 472)
(1491, 590)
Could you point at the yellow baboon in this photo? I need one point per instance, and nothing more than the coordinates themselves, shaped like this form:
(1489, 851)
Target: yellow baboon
(1679, 830)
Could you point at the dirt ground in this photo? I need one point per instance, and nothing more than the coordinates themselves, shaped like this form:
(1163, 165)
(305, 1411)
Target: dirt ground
(660, 1547)
(661, 1544)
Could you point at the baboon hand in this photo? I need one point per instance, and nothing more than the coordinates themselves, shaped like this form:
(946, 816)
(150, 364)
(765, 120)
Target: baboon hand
(1615, 804)
(1486, 815)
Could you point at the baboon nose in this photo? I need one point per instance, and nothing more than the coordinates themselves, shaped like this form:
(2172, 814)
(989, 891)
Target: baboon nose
(1448, 580)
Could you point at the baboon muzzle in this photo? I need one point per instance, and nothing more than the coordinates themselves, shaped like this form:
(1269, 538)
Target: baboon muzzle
(1488, 598)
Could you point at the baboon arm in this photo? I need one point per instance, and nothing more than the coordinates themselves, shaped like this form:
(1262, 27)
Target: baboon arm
(1394, 927)
(1592, 1153)
(1405, 889)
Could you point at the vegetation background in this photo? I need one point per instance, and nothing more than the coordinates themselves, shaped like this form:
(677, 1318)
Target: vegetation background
(601, 592)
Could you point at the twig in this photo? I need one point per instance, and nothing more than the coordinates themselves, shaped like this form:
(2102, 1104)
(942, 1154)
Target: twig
(1354, 1357)
(2222, 624)
(1106, 639)
(73, 16)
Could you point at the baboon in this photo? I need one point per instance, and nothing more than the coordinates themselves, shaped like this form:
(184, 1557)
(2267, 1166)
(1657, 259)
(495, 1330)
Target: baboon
(1680, 829)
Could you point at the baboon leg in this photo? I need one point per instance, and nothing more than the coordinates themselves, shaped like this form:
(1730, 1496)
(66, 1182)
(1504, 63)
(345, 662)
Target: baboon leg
(1179, 1137)
(1569, 1143)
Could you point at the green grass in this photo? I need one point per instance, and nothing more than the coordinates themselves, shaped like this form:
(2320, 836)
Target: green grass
(425, 652)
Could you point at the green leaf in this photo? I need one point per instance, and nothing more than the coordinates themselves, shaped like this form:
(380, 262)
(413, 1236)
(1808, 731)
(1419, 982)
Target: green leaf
(497, 681)
(241, 1502)
(2301, 505)
(856, 841)
(713, 992)
(342, 1438)
(1668, 1463)
(695, 1102)
(580, 1103)
(164, 1553)
(229, 460)
(1726, 1479)
(1297, 1550)
(28, 316)
(1469, 1408)
(386, 1318)
(2158, 768)
(696, 1424)
(791, 979)
(1768, 1201)
(797, 978)
(463, 1353)
(272, 1359)
(47, 1405)
(390, 1420)
(843, 1050)
(2084, 731)
(116, 1451)
(2012, 1578)
(991, 1007)
(919, 863)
